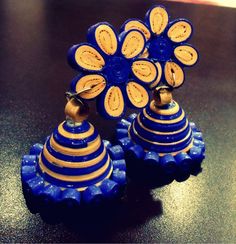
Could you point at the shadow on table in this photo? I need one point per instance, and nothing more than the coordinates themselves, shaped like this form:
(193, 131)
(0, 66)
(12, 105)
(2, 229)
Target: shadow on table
(155, 177)
(95, 223)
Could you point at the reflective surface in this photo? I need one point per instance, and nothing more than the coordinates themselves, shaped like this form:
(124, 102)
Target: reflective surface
(34, 38)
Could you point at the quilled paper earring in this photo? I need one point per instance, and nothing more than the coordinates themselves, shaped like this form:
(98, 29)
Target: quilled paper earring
(74, 164)
(161, 135)
(111, 64)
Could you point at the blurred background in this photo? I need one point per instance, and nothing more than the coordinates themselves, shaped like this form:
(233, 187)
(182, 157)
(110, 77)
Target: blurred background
(226, 3)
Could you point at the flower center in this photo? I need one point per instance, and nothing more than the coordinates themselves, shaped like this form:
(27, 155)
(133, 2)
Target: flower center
(160, 48)
(117, 70)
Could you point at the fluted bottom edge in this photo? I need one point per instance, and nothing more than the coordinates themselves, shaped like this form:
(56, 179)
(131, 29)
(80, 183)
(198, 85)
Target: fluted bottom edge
(151, 163)
(39, 192)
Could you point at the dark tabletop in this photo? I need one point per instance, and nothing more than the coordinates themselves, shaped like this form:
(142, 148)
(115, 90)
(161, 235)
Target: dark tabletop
(34, 74)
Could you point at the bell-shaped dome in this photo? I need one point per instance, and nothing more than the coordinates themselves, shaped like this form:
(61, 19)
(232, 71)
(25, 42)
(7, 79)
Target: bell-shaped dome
(74, 164)
(161, 136)
(75, 157)
(162, 129)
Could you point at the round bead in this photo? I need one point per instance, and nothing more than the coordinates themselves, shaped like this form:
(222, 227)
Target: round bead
(196, 154)
(92, 194)
(183, 161)
(168, 164)
(36, 149)
(50, 193)
(125, 143)
(193, 126)
(119, 164)
(71, 196)
(29, 160)
(28, 172)
(136, 152)
(199, 144)
(121, 133)
(116, 152)
(35, 185)
(109, 188)
(197, 135)
(119, 176)
(151, 158)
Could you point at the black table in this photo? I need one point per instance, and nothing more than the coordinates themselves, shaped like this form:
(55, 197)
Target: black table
(34, 39)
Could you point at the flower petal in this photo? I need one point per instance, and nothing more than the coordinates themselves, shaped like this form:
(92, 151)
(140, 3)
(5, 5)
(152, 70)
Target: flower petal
(92, 85)
(137, 94)
(104, 36)
(174, 74)
(157, 19)
(158, 79)
(85, 57)
(179, 30)
(144, 70)
(111, 103)
(186, 54)
(135, 24)
(133, 43)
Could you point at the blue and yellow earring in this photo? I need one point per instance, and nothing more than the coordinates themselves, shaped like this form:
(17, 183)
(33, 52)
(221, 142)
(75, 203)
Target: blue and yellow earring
(111, 64)
(74, 164)
(161, 134)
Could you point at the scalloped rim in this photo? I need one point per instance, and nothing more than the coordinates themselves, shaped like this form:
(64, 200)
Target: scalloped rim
(29, 173)
(122, 133)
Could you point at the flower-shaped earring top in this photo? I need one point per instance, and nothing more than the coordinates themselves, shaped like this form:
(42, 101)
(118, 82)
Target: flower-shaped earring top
(111, 70)
(166, 44)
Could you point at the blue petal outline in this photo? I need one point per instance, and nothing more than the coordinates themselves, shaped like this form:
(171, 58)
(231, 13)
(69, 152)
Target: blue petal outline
(122, 29)
(129, 103)
(100, 103)
(182, 64)
(174, 22)
(163, 73)
(77, 78)
(147, 19)
(140, 81)
(92, 39)
(122, 37)
(71, 58)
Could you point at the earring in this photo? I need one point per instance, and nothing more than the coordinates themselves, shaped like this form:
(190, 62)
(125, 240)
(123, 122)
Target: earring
(160, 137)
(74, 164)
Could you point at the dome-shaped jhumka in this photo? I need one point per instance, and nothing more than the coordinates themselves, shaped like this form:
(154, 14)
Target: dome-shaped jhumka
(162, 136)
(74, 164)
(75, 156)
(162, 129)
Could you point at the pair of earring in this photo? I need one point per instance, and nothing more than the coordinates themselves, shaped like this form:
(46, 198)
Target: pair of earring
(74, 164)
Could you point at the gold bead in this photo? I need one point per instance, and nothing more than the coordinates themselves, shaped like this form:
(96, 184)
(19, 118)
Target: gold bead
(77, 112)
(162, 96)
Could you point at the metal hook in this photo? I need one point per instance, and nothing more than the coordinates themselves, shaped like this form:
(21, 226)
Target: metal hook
(70, 95)
(76, 95)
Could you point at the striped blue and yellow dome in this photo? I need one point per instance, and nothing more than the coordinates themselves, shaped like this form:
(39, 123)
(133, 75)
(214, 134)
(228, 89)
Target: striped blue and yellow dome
(75, 156)
(75, 164)
(163, 130)
(162, 136)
